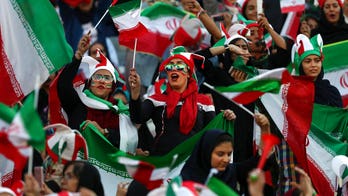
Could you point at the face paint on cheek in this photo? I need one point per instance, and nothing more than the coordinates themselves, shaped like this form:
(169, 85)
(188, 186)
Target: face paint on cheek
(108, 85)
(93, 83)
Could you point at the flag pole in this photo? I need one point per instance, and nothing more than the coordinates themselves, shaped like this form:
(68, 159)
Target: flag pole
(30, 162)
(95, 27)
(211, 173)
(259, 7)
(134, 52)
(106, 11)
(238, 104)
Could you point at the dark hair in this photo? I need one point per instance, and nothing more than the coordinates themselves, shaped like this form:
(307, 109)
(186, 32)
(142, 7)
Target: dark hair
(98, 42)
(226, 137)
(227, 61)
(87, 175)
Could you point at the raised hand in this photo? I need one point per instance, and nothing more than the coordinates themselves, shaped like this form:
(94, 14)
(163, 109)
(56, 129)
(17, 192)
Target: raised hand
(134, 83)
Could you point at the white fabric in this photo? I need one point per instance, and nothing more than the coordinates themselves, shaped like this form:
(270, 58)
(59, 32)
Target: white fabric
(128, 134)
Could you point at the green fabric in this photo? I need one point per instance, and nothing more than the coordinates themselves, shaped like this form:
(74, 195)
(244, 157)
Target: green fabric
(46, 31)
(240, 65)
(123, 7)
(32, 122)
(103, 154)
(220, 188)
(329, 128)
(122, 108)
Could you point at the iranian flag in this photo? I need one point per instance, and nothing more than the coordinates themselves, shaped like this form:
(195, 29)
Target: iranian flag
(104, 155)
(249, 90)
(336, 67)
(32, 43)
(160, 21)
(321, 143)
(19, 132)
(144, 172)
(292, 6)
(126, 17)
(291, 25)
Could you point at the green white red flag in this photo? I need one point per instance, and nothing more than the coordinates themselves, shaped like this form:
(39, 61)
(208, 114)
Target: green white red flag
(126, 17)
(292, 6)
(336, 67)
(160, 21)
(19, 132)
(144, 172)
(104, 155)
(249, 90)
(32, 43)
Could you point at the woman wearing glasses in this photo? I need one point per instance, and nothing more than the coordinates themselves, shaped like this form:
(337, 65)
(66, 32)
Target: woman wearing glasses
(180, 111)
(78, 104)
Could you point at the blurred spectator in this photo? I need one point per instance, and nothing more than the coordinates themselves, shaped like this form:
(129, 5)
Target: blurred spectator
(345, 10)
(332, 26)
(80, 16)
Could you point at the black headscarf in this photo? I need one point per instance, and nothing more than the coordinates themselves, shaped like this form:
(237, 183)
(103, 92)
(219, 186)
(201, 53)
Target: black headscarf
(88, 176)
(198, 166)
(332, 33)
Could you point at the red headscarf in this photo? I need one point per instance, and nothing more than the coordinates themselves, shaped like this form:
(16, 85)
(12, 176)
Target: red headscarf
(322, 2)
(188, 112)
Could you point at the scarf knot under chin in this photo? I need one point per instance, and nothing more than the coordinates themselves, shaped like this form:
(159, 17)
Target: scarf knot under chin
(188, 112)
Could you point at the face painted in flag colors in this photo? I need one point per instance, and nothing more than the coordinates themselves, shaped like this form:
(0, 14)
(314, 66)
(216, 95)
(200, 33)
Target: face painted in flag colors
(178, 76)
(101, 83)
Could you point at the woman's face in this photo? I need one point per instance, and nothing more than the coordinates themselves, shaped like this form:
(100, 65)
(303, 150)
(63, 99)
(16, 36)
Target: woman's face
(312, 65)
(243, 45)
(221, 156)
(305, 28)
(178, 74)
(101, 83)
(332, 11)
(69, 181)
(93, 50)
(251, 10)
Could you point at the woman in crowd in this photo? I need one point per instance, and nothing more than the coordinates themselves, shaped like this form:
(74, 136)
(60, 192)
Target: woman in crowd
(308, 61)
(180, 111)
(332, 26)
(214, 150)
(79, 104)
(78, 176)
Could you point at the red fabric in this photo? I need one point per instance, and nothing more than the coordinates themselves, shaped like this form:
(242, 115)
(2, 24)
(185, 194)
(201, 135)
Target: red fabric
(320, 182)
(321, 3)
(298, 96)
(105, 119)
(182, 38)
(55, 111)
(143, 174)
(12, 153)
(269, 141)
(190, 62)
(244, 5)
(188, 112)
(17, 187)
(159, 42)
(10, 89)
(259, 30)
(74, 3)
